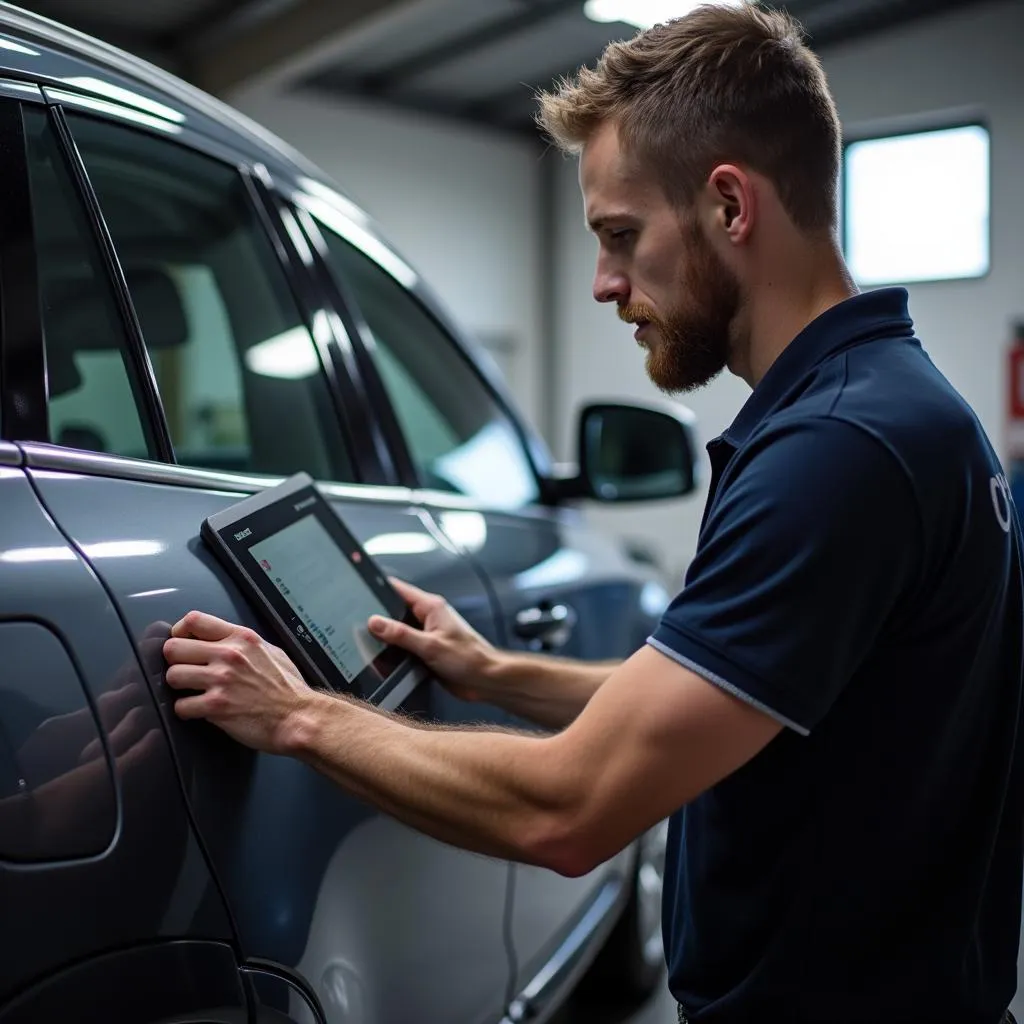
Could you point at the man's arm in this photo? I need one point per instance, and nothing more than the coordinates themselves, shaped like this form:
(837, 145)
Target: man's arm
(543, 689)
(649, 740)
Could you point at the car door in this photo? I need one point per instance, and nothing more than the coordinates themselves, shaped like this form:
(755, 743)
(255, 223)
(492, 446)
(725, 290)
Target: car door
(560, 586)
(383, 923)
(109, 910)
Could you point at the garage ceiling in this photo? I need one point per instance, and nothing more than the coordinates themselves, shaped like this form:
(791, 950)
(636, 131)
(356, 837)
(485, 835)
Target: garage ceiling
(479, 61)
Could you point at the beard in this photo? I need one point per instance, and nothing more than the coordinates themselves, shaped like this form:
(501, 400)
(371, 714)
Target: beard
(694, 340)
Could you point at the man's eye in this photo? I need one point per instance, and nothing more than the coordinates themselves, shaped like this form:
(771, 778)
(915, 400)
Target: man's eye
(621, 234)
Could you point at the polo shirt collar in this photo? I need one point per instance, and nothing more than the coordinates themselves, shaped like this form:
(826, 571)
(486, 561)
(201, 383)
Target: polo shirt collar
(860, 318)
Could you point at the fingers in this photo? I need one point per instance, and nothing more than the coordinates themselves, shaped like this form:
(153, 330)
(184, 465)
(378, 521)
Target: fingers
(398, 633)
(201, 626)
(190, 708)
(407, 590)
(420, 601)
(158, 630)
(179, 651)
(190, 677)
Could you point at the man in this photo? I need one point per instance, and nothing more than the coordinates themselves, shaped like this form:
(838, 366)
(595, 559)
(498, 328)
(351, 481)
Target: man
(834, 698)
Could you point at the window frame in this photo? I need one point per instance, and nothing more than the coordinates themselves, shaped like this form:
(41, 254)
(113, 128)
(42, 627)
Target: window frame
(333, 341)
(900, 128)
(534, 451)
(31, 373)
(152, 418)
(23, 405)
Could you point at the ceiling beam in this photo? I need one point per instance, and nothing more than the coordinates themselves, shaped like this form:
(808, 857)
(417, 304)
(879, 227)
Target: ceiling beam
(838, 21)
(464, 44)
(285, 42)
(454, 110)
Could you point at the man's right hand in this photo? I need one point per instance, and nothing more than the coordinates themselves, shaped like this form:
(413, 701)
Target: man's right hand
(456, 653)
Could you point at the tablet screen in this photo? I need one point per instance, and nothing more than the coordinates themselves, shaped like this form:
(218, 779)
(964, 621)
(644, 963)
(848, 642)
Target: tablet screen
(295, 559)
(324, 590)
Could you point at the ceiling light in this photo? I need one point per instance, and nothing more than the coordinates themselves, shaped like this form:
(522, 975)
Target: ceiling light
(645, 13)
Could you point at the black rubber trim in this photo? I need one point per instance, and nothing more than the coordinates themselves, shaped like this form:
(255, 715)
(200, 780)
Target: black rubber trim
(154, 422)
(344, 304)
(23, 412)
(289, 977)
(347, 400)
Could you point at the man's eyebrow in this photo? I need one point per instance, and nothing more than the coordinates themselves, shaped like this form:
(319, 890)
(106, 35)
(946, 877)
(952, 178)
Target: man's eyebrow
(598, 224)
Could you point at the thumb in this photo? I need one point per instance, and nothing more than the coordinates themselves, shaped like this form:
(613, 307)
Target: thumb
(398, 633)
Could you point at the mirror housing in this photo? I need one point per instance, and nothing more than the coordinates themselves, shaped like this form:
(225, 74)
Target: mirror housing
(630, 452)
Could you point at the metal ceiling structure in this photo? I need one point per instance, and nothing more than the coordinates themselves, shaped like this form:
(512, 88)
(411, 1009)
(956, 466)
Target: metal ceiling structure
(479, 61)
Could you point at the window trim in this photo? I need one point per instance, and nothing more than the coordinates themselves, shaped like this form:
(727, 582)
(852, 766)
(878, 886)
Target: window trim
(154, 420)
(24, 411)
(55, 458)
(899, 128)
(355, 423)
(531, 446)
(388, 431)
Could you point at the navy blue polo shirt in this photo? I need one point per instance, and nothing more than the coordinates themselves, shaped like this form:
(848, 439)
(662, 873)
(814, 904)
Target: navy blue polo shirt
(857, 578)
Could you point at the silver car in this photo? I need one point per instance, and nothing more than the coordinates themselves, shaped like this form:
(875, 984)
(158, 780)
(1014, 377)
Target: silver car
(190, 312)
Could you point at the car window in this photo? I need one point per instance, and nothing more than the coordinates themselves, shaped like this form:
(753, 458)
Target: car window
(92, 403)
(460, 438)
(238, 372)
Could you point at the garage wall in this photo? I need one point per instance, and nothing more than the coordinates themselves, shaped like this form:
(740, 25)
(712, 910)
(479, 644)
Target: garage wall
(967, 60)
(460, 204)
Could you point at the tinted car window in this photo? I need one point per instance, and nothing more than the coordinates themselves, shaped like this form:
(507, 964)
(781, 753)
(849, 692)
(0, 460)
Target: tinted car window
(459, 437)
(92, 402)
(232, 357)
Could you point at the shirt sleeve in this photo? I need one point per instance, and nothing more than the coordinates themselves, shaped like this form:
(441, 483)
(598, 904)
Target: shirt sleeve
(804, 558)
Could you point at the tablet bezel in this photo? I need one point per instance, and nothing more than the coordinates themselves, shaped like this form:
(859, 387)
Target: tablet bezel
(230, 533)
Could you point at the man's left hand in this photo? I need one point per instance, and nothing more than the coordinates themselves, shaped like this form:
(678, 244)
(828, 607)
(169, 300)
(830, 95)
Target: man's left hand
(247, 687)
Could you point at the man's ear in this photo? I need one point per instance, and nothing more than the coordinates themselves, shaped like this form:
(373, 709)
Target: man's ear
(733, 200)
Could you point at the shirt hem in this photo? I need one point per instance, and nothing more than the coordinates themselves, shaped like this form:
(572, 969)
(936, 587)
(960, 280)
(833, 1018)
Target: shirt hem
(730, 688)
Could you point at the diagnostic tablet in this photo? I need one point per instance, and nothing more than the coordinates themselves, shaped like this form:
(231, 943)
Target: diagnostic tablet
(292, 556)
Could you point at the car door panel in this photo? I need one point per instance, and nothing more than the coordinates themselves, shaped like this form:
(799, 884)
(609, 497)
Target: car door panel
(76, 885)
(541, 559)
(184, 982)
(384, 923)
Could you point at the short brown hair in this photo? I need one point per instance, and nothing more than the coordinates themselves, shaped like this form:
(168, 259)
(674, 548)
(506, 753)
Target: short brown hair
(719, 84)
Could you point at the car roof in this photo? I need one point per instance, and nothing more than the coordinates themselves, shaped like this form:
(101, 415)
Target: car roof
(44, 51)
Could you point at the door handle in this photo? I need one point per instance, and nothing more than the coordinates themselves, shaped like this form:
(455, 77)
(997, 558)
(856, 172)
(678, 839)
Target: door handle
(546, 627)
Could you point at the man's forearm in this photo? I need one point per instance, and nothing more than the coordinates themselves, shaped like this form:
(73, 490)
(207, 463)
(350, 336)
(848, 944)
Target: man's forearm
(543, 689)
(488, 791)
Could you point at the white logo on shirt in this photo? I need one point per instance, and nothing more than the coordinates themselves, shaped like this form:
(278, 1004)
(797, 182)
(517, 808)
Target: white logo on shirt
(1002, 500)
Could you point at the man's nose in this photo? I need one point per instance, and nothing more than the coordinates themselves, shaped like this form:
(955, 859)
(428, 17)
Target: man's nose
(611, 286)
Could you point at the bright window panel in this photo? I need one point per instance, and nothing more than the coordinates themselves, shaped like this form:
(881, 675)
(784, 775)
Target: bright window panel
(916, 207)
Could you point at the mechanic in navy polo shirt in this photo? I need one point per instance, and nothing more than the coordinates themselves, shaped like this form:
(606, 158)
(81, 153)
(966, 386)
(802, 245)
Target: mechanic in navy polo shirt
(831, 707)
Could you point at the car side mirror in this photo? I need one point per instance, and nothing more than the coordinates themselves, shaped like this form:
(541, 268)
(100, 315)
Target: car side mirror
(632, 453)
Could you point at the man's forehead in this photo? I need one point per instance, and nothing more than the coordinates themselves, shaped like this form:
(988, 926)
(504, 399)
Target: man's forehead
(602, 160)
(612, 183)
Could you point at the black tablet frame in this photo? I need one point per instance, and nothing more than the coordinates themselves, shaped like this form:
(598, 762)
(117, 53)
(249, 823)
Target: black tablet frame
(230, 534)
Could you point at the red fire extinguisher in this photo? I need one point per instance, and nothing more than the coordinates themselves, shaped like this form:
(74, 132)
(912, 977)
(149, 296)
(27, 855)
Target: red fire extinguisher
(1015, 412)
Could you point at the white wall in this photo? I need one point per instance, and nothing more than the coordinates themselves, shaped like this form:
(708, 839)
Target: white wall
(459, 203)
(968, 59)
